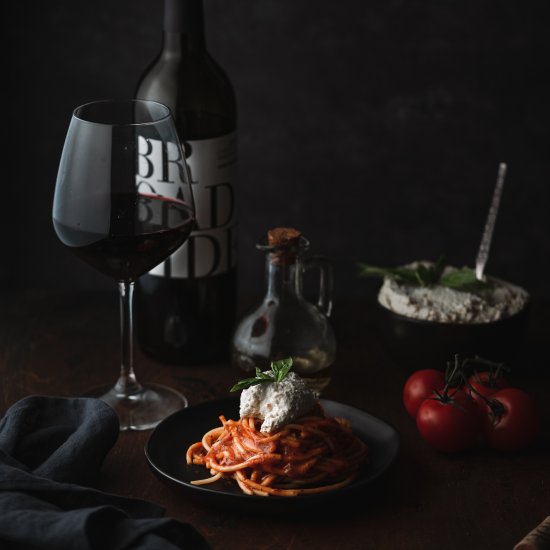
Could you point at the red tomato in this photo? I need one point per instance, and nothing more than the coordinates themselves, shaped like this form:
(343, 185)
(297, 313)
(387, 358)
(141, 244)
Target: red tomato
(485, 383)
(451, 424)
(514, 423)
(421, 384)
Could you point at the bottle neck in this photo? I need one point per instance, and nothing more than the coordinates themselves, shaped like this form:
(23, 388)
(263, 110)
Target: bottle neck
(283, 279)
(183, 25)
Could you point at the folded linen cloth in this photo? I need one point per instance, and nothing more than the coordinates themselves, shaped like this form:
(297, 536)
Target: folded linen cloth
(51, 449)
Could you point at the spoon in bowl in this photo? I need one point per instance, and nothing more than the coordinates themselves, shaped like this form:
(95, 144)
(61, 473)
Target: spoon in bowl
(485, 245)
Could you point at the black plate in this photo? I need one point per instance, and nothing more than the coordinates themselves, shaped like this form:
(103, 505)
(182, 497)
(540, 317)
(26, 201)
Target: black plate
(165, 451)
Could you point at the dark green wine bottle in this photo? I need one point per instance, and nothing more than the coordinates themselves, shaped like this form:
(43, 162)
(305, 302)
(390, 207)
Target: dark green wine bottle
(185, 307)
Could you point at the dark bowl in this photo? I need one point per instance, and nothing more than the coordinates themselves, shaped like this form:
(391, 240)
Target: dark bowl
(417, 344)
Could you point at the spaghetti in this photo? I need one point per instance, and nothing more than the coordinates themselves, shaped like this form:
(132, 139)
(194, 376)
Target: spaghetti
(312, 455)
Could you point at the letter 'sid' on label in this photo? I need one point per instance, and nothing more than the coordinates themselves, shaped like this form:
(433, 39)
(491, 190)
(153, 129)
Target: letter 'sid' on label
(212, 247)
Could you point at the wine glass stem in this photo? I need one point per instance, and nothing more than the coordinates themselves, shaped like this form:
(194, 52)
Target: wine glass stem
(127, 384)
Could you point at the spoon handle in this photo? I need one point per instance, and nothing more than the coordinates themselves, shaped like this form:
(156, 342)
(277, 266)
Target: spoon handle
(485, 245)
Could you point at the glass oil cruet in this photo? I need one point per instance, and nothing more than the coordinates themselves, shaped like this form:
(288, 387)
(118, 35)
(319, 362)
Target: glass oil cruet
(285, 324)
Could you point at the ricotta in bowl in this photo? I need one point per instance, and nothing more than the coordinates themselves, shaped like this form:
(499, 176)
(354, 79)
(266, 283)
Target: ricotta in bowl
(440, 304)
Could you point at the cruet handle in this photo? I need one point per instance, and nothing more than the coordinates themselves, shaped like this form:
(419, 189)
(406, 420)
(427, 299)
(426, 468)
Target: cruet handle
(324, 302)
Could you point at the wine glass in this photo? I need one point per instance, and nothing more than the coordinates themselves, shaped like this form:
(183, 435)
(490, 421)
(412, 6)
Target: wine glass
(123, 203)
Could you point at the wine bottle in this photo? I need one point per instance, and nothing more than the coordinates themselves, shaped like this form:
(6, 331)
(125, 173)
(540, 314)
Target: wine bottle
(185, 308)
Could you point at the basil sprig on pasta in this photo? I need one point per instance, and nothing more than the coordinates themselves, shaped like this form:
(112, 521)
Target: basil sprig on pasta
(279, 370)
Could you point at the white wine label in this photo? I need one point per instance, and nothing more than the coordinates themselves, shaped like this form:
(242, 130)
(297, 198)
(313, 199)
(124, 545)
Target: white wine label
(212, 247)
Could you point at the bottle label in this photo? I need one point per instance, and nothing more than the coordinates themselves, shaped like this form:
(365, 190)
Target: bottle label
(212, 247)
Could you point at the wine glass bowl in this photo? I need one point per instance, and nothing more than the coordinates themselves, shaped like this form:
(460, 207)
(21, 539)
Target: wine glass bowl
(123, 203)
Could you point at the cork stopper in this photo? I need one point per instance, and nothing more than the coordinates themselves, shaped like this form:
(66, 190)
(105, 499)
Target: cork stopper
(283, 236)
(286, 241)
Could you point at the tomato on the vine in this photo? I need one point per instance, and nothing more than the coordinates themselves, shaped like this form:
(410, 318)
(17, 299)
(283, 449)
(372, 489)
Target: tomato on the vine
(512, 421)
(449, 423)
(485, 383)
(420, 385)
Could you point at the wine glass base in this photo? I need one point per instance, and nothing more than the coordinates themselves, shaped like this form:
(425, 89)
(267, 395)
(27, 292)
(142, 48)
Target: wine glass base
(142, 410)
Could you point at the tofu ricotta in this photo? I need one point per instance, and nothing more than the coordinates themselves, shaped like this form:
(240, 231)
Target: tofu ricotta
(446, 305)
(277, 403)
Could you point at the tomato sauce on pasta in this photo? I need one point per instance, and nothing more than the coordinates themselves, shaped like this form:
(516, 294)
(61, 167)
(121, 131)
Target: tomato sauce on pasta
(312, 455)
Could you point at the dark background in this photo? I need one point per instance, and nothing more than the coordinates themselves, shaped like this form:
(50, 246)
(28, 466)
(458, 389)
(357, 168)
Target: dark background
(375, 127)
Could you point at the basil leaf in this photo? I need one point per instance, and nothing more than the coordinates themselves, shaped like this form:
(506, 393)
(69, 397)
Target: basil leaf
(423, 275)
(281, 368)
(439, 267)
(464, 280)
(262, 375)
(367, 270)
(403, 274)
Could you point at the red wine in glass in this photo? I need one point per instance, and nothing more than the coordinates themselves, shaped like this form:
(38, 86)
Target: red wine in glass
(159, 227)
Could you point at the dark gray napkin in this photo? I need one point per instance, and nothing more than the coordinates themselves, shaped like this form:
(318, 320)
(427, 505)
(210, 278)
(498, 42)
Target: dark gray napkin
(51, 448)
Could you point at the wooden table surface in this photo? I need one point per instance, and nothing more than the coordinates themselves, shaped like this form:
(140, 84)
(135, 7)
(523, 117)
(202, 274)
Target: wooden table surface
(56, 343)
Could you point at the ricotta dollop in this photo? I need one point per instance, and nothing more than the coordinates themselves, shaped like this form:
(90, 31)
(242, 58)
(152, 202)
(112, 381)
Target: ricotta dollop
(445, 305)
(277, 403)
